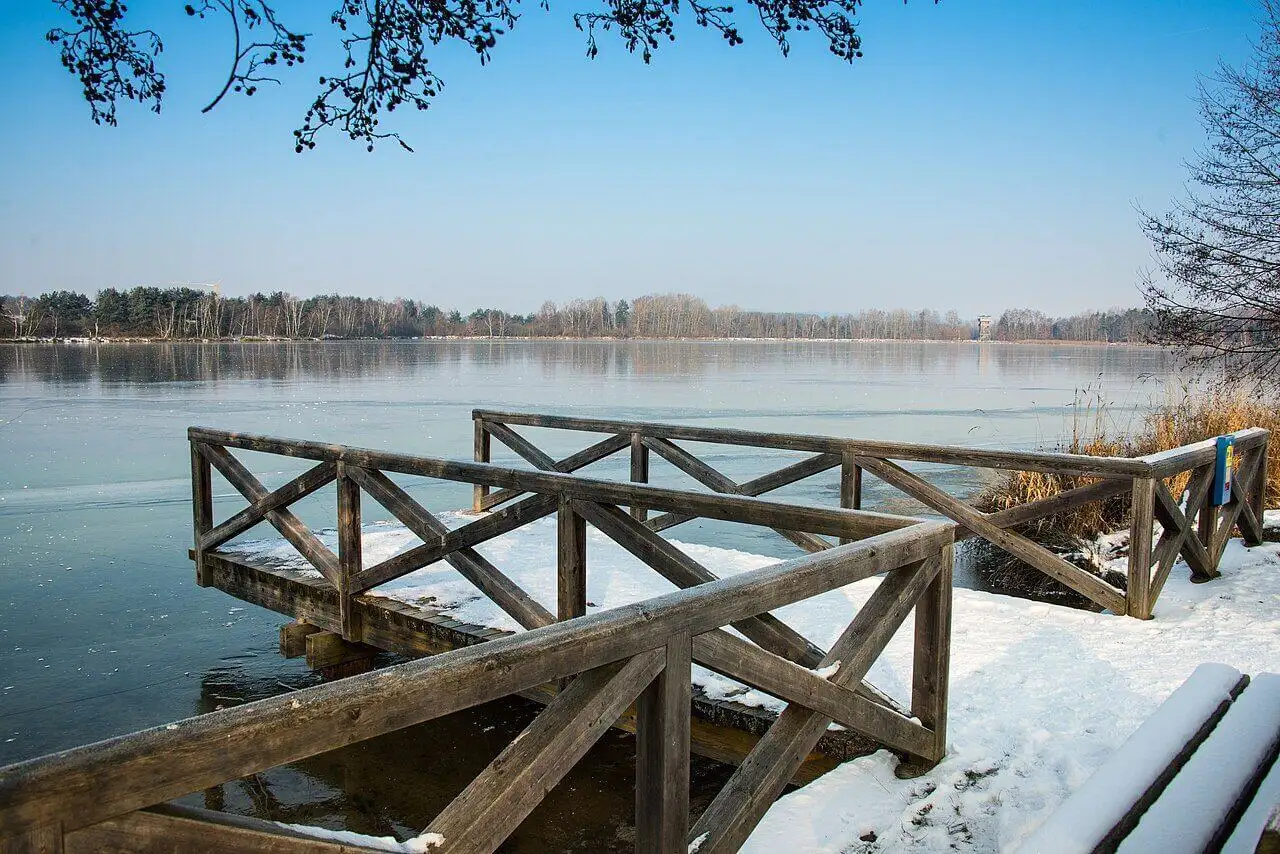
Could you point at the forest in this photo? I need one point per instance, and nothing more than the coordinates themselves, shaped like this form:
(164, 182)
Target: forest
(202, 313)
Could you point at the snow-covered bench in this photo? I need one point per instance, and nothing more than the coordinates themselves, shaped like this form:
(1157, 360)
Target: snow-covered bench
(1199, 775)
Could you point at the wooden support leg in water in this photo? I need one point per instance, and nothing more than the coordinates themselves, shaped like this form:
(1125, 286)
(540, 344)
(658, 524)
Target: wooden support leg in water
(335, 657)
(293, 638)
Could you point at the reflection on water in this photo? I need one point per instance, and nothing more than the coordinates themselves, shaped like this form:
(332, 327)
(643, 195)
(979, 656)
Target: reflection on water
(103, 631)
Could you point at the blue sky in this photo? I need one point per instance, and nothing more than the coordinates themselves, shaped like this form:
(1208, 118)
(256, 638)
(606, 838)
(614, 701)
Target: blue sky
(980, 156)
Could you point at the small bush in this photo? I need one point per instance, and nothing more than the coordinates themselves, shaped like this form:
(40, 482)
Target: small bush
(1188, 418)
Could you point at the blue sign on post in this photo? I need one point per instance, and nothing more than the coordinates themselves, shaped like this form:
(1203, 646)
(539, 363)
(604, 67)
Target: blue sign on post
(1222, 471)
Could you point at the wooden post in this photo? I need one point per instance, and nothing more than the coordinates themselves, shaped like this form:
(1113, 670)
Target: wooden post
(639, 471)
(201, 506)
(482, 450)
(931, 669)
(662, 754)
(850, 486)
(1258, 497)
(45, 839)
(571, 564)
(349, 547)
(1138, 597)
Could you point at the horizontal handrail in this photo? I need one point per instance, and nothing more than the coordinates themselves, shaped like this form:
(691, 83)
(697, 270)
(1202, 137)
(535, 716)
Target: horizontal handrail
(1081, 464)
(90, 784)
(1177, 460)
(731, 508)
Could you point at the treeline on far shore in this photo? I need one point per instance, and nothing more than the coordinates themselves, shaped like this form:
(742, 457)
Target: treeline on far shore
(191, 313)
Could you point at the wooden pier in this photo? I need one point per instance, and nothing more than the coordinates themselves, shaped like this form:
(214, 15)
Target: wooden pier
(629, 665)
(1198, 535)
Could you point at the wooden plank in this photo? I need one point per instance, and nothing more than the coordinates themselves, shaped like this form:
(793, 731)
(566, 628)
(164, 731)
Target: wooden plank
(522, 446)
(931, 667)
(1082, 464)
(1138, 596)
(684, 572)
(1177, 460)
(1258, 495)
(760, 485)
(724, 730)
(756, 784)
(493, 805)
(1062, 502)
(300, 487)
(571, 563)
(45, 839)
(472, 534)
(201, 506)
(737, 659)
(1269, 843)
(1172, 518)
(293, 638)
(639, 471)
(662, 753)
(504, 592)
(599, 451)
(1233, 510)
(708, 476)
(1020, 547)
(170, 828)
(1249, 521)
(88, 784)
(326, 649)
(731, 508)
(481, 450)
(283, 520)
(850, 485)
(350, 560)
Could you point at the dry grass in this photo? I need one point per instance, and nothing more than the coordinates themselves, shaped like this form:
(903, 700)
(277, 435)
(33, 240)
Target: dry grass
(1192, 417)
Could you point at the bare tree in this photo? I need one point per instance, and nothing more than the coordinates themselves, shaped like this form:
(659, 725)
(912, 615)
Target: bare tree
(384, 45)
(1216, 294)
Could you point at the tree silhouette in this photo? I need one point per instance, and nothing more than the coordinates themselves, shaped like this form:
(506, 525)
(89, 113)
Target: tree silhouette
(385, 44)
(1218, 292)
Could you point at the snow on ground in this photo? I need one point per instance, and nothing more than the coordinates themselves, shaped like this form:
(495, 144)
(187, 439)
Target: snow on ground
(1040, 695)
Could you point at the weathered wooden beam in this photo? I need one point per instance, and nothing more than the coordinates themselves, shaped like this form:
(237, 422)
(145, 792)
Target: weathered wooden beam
(756, 784)
(472, 534)
(731, 508)
(685, 572)
(1138, 594)
(639, 471)
(1232, 512)
(1177, 460)
(708, 476)
(283, 520)
(760, 485)
(1020, 547)
(350, 551)
(481, 449)
(170, 828)
(571, 563)
(749, 664)
(89, 784)
(931, 667)
(300, 487)
(45, 839)
(662, 753)
(504, 592)
(593, 454)
(326, 649)
(1062, 502)
(723, 730)
(493, 805)
(850, 484)
(293, 638)
(201, 506)
(1258, 495)
(1250, 520)
(1082, 464)
(1173, 519)
(522, 446)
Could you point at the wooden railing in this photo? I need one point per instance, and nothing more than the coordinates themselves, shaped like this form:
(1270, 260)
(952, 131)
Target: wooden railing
(111, 795)
(1146, 479)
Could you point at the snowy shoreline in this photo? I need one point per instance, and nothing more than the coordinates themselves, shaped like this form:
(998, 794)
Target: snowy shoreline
(1041, 695)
